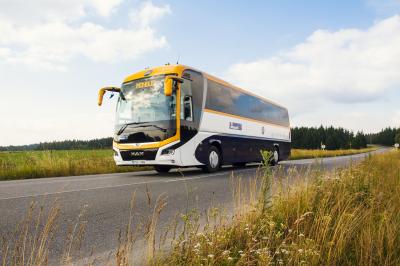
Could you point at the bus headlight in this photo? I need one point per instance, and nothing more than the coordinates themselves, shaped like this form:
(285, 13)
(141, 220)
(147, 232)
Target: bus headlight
(168, 152)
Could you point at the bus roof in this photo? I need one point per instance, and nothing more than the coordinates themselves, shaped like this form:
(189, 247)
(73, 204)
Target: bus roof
(178, 69)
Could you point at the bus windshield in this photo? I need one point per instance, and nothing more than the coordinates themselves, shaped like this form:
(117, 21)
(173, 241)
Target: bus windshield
(144, 101)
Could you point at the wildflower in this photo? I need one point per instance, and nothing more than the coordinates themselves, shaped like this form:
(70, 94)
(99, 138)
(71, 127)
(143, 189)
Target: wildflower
(210, 256)
(226, 252)
(284, 251)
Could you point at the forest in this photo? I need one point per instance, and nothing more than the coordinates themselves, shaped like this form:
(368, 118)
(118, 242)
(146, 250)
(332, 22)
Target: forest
(333, 138)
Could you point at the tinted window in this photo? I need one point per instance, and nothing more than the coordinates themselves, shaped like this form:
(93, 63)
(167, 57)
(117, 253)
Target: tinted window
(227, 100)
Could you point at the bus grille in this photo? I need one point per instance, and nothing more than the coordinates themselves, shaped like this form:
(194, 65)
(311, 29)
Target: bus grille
(149, 154)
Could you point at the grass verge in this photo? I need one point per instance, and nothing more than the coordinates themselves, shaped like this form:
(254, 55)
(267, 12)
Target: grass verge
(35, 164)
(307, 154)
(350, 217)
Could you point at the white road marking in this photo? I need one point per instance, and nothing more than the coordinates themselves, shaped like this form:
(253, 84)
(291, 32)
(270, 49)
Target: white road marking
(123, 185)
(294, 162)
(61, 179)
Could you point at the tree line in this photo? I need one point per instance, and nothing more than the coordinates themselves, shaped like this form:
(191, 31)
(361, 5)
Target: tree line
(387, 137)
(102, 143)
(332, 138)
(302, 138)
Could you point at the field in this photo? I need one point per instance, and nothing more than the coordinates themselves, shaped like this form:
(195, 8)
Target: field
(350, 217)
(36, 164)
(306, 154)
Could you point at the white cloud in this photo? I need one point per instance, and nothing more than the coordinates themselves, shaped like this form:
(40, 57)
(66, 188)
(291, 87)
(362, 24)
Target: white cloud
(55, 41)
(149, 13)
(396, 119)
(22, 12)
(345, 66)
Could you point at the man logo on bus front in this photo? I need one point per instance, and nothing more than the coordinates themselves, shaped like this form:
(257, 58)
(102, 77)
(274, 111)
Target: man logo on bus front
(137, 153)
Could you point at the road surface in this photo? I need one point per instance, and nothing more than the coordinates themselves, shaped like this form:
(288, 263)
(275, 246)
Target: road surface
(106, 199)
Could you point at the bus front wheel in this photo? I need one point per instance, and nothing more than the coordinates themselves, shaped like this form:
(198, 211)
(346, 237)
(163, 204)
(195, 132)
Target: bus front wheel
(213, 160)
(162, 168)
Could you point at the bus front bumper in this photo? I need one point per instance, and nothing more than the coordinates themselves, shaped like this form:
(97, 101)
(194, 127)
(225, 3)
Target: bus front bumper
(158, 159)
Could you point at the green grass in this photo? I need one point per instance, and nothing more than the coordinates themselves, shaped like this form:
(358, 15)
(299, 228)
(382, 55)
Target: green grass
(307, 154)
(348, 217)
(35, 164)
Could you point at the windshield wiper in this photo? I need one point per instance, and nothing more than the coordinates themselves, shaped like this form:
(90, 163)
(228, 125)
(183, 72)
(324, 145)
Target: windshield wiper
(160, 128)
(135, 123)
(125, 126)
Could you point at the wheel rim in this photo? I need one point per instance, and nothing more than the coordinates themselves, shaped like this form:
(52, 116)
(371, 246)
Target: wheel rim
(276, 156)
(214, 159)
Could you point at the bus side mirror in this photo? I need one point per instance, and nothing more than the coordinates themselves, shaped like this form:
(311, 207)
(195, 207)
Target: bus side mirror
(169, 84)
(102, 91)
(188, 108)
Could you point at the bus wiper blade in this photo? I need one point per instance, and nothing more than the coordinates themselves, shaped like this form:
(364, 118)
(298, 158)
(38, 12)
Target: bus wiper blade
(125, 126)
(160, 128)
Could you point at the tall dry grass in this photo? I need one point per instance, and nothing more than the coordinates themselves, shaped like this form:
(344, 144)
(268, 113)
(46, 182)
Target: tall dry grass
(306, 154)
(350, 217)
(35, 164)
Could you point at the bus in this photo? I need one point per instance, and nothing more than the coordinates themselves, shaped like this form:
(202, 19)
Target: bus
(177, 116)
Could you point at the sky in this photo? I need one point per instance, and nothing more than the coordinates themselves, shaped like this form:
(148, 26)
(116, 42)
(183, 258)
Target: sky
(331, 63)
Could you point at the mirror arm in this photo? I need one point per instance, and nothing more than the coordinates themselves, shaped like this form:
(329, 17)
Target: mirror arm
(102, 91)
(177, 79)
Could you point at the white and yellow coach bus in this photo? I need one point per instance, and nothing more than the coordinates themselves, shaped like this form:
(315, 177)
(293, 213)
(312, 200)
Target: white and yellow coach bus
(177, 116)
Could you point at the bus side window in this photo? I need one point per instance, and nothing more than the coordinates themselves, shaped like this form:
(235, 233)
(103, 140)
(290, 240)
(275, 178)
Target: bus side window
(188, 108)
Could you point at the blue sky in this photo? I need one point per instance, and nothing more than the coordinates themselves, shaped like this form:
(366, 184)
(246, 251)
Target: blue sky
(331, 63)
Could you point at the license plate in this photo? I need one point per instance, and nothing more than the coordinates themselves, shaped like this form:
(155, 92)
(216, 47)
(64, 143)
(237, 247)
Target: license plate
(138, 162)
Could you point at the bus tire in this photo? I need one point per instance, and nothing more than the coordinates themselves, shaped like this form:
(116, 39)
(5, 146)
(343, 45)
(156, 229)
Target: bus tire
(214, 160)
(274, 156)
(162, 169)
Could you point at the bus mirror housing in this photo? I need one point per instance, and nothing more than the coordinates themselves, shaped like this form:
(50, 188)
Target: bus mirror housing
(102, 91)
(169, 84)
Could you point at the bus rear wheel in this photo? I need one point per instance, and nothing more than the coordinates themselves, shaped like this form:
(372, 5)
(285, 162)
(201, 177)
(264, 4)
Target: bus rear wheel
(213, 160)
(274, 156)
(162, 168)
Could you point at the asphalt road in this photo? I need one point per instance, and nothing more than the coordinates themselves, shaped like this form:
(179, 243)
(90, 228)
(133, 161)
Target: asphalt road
(106, 199)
